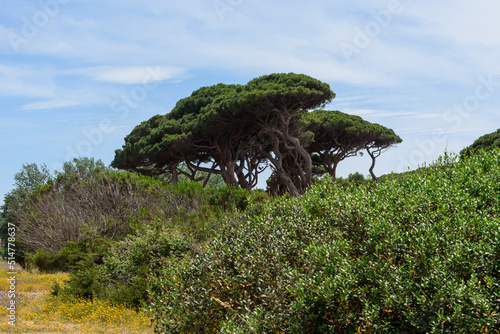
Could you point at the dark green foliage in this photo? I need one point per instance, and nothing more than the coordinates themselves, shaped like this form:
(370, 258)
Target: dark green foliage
(486, 142)
(235, 131)
(419, 254)
(233, 128)
(121, 271)
(356, 179)
(330, 137)
(87, 281)
(337, 136)
(64, 260)
(228, 198)
(87, 251)
(44, 261)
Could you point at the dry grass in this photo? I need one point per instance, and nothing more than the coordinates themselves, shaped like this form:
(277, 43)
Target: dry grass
(39, 312)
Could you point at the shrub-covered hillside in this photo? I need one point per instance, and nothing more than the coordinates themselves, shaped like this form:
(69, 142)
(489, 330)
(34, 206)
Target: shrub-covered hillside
(417, 254)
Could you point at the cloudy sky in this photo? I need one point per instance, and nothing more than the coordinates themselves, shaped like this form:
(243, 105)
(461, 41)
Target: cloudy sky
(77, 76)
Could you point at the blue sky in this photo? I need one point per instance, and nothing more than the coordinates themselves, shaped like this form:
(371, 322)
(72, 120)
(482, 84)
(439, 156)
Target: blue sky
(77, 76)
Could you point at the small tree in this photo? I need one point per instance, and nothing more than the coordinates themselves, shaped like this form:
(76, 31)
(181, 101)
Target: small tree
(338, 136)
(385, 139)
(30, 178)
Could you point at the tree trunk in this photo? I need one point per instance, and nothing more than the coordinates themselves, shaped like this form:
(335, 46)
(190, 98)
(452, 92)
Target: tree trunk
(308, 165)
(175, 174)
(372, 155)
(242, 180)
(278, 165)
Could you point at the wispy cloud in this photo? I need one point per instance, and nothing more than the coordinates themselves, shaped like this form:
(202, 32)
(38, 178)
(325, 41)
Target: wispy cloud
(51, 104)
(25, 81)
(374, 113)
(130, 75)
(425, 115)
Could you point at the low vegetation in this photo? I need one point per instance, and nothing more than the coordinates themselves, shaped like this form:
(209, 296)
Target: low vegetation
(37, 310)
(419, 254)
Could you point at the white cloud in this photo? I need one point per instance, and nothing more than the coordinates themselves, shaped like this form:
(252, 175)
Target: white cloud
(51, 104)
(465, 22)
(130, 75)
(379, 112)
(425, 115)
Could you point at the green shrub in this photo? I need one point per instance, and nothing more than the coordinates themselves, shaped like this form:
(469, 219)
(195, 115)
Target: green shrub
(203, 212)
(145, 251)
(120, 272)
(419, 254)
(228, 198)
(353, 179)
(41, 260)
(69, 258)
(88, 282)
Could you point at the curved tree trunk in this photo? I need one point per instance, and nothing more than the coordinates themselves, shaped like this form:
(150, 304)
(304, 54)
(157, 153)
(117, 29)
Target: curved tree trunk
(308, 165)
(277, 162)
(373, 156)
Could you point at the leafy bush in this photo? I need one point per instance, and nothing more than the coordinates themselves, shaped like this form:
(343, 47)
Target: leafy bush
(353, 179)
(131, 262)
(115, 271)
(420, 254)
(88, 282)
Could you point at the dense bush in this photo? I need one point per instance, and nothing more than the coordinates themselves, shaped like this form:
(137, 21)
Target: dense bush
(417, 254)
(100, 204)
(89, 249)
(130, 263)
(122, 272)
(82, 203)
(356, 179)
